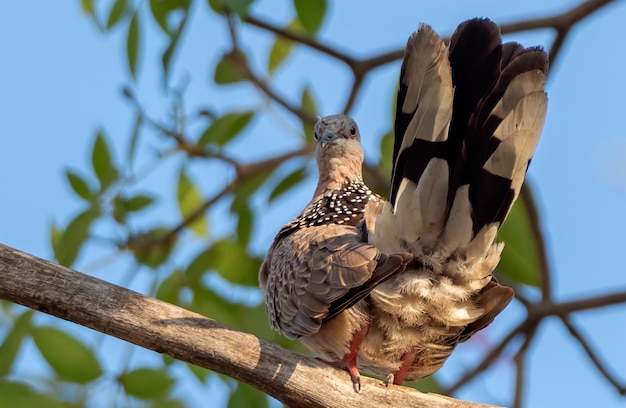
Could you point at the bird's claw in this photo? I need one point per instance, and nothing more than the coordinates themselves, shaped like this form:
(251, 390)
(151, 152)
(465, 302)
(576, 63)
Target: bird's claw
(356, 383)
(389, 379)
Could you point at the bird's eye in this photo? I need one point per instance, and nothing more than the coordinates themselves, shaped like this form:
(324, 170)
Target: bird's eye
(353, 131)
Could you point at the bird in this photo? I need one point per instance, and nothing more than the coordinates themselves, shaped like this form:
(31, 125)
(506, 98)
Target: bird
(390, 287)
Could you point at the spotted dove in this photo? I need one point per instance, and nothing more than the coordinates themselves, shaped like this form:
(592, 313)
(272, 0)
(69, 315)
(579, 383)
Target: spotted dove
(391, 287)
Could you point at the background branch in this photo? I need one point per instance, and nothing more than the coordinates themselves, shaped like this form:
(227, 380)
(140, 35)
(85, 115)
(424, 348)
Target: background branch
(595, 359)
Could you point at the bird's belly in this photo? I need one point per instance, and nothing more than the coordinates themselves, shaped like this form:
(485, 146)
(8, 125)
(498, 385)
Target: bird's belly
(419, 316)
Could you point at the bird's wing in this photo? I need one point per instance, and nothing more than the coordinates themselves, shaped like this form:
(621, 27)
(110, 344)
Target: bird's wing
(315, 273)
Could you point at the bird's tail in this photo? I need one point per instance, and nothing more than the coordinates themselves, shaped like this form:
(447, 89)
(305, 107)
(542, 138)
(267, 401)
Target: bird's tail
(468, 119)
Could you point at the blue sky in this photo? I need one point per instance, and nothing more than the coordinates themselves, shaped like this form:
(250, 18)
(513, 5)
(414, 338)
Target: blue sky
(60, 80)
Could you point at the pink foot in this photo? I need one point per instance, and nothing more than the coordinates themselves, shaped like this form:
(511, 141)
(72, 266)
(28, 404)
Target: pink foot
(348, 363)
(407, 360)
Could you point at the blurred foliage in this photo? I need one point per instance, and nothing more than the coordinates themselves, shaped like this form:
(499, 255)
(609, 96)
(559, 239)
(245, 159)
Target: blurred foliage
(111, 196)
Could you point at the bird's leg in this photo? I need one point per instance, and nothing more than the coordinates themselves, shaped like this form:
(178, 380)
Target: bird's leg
(407, 360)
(349, 360)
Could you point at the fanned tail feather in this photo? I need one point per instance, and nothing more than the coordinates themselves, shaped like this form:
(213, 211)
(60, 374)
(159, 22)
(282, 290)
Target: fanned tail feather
(468, 120)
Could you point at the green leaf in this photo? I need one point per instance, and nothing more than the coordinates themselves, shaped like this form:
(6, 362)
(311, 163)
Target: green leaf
(134, 138)
(255, 321)
(167, 359)
(309, 106)
(217, 6)
(225, 128)
(70, 359)
(79, 185)
(168, 403)
(386, 153)
(231, 260)
(13, 341)
(281, 49)
(18, 395)
(241, 207)
(201, 373)
(168, 54)
(428, 384)
(310, 13)
(227, 71)
(74, 237)
(119, 209)
(122, 205)
(139, 202)
(116, 13)
(87, 6)
(102, 162)
(245, 223)
(170, 288)
(56, 235)
(146, 383)
(189, 200)
(240, 7)
(523, 250)
(200, 264)
(287, 183)
(208, 303)
(161, 9)
(247, 396)
(251, 184)
(133, 44)
(149, 249)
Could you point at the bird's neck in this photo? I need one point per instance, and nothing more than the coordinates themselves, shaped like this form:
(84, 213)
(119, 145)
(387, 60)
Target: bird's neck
(336, 172)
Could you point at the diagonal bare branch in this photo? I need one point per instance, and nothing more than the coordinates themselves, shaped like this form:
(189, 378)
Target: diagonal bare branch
(595, 359)
(190, 337)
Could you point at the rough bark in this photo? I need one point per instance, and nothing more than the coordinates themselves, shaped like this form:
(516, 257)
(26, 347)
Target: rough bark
(293, 378)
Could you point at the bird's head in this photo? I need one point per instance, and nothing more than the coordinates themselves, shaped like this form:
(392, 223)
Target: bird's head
(337, 135)
(339, 153)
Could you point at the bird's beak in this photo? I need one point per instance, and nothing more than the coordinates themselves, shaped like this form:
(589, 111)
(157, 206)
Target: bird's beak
(328, 137)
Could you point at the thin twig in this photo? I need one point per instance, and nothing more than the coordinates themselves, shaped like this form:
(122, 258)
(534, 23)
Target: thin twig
(252, 169)
(356, 87)
(302, 39)
(556, 46)
(520, 364)
(143, 243)
(240, 59)
(544, 309)
(487, 361)
(537, 313)
(245, 171)
(562, 21)
(595, 359)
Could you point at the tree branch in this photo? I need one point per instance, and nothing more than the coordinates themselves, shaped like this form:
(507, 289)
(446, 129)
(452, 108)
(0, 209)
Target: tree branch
(543, 309)
(520, 362)
(239, 58)
(300, 38)
(537, 312)
(293, 378)
(595, 359)
(486, 362)
(562, 23)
